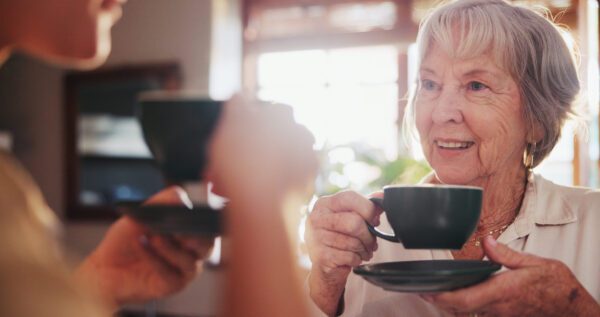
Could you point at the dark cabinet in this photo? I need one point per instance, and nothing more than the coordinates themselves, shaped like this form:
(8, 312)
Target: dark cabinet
(106, 159)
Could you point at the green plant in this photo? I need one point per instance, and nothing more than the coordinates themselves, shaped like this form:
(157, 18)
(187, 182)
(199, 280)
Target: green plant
(365, 169)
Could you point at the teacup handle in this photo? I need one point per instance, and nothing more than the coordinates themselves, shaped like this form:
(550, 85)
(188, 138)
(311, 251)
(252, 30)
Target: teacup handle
(386, 236)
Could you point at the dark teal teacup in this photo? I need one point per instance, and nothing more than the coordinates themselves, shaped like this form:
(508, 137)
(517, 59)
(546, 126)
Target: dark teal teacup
(430, 216)
(177, 128)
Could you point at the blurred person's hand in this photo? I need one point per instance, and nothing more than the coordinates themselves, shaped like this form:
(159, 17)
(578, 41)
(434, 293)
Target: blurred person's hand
(132, 265)
(259, 152)
(338, 239)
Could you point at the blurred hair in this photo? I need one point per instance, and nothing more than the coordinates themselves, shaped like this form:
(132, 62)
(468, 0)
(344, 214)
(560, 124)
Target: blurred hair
(525, 43)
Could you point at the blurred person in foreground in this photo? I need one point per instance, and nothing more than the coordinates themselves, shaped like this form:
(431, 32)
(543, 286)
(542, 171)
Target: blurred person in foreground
(496, 83)
(257, 155)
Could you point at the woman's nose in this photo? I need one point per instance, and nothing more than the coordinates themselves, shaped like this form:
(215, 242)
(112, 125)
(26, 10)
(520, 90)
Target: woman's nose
(448, 107)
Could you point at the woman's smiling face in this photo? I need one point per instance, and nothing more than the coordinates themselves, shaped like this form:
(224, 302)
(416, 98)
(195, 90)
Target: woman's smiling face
(469, 117)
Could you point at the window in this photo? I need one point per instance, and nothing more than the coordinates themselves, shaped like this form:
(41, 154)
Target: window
(344, 96)
(341, 65)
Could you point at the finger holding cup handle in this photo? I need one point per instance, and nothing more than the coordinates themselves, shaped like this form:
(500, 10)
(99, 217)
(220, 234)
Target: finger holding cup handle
(378, 201)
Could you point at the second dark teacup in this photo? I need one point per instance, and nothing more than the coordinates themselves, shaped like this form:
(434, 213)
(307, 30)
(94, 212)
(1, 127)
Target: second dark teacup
(430, 216)
(177, 127)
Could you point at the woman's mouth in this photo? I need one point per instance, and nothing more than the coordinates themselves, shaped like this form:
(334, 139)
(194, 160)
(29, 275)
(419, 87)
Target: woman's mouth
(453, 145)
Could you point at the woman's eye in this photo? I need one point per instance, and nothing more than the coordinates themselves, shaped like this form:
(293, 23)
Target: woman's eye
(476, 86)
(428, 84)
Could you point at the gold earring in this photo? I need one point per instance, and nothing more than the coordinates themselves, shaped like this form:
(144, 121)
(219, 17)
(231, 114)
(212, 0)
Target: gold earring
(528, 155)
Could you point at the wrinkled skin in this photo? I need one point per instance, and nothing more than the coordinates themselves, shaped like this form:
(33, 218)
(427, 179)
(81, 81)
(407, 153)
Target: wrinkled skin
(473, 101)
(533, 286)
(338, 240)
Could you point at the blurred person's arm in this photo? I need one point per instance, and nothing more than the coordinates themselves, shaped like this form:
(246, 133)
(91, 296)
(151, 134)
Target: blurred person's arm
(260, 159)
(262, 278)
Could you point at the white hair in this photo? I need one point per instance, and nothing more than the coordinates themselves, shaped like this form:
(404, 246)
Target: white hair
(524, 43)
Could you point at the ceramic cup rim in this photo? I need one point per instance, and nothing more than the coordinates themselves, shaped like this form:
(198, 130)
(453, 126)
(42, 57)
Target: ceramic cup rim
(173, 96)
(434, 186)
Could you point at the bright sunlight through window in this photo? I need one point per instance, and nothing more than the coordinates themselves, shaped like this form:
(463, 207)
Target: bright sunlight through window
(343, 96)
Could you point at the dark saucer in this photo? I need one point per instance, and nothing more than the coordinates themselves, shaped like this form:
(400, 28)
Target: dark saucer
(200, 220)
(427, 276)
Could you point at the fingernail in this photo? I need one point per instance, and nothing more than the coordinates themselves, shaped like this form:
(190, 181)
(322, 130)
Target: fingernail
(491, 241)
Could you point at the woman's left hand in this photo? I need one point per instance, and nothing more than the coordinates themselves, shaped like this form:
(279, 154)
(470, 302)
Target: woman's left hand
(533, 286)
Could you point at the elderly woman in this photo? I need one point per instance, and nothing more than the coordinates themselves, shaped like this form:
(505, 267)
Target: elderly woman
(495, 85)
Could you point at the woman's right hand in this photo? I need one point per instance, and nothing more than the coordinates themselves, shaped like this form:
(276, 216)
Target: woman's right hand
(338, 239)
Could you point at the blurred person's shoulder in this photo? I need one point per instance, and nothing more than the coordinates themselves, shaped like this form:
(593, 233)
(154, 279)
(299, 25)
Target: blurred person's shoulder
(12, 173)
(18, 191)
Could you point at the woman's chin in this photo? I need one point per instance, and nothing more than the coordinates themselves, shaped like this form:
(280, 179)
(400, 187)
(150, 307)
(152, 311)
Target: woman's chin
(86, 49)
(79, 62)
(83, 57)
(87, 63)
(454, 176)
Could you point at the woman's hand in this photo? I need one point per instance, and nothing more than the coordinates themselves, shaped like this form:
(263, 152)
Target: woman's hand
(132, 265)
(338, 239)
(533, 286)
